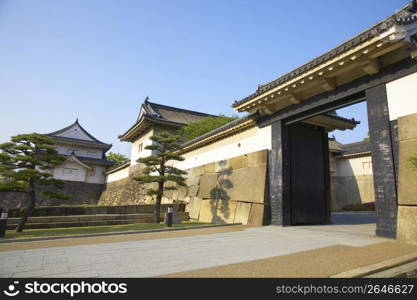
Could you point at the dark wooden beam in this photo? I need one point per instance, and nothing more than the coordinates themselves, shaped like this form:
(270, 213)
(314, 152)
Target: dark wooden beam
(343, 95)
(279, 176)
(383, 161)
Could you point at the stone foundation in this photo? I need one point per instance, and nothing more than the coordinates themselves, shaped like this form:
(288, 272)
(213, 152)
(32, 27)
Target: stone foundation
(351, 190)
(407, 179)
(80, 192)
(227, 191)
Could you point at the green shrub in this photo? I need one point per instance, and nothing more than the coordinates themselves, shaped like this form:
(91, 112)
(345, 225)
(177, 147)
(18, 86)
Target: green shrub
(195, 129)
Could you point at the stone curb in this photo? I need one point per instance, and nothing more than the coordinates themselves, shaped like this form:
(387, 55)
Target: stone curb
(403, 271)
(378, 267)
(112, 233)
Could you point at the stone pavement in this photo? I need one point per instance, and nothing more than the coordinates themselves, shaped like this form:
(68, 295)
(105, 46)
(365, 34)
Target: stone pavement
(156, 257)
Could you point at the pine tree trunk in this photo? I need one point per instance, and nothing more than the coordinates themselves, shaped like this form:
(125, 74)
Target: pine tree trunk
(157, 211)
(28, 211)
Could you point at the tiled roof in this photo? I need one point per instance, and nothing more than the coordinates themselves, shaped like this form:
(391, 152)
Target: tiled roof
(163, 114)
(221, 128)
(92, 142)
(405, 16)
(358, 147)
(95, 160)
(170, 113)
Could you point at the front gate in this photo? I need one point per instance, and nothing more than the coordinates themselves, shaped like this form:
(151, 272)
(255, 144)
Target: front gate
(308, 174)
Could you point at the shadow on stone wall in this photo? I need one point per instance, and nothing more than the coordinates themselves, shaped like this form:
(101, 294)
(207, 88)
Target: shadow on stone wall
(220, 207)
(227, 191)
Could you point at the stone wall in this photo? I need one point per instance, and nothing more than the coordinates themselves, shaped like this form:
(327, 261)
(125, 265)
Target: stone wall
(80, 192)
(125, 192)
(227, 191)
(407, 179)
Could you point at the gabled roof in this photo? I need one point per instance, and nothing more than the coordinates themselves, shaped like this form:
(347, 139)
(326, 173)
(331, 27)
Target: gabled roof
(170, 113)
(356, 148)
(330, 120)
(154, 113)
(73, 158)
(335, 146)
(76, 134)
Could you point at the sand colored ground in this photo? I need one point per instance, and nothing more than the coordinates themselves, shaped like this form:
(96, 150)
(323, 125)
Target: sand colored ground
(116, 238)
(322, 262)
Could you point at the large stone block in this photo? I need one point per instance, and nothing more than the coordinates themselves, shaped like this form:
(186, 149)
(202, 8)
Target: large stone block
(407, 127)
(407, 176)
(208, 186)
(197, 171)
(256, 159)
(209, 168)
(193, 191)
(208, 210)
(192, 180)
(238, 162)
(256, 217)
(194, 207)
(221, 165)
(182, 192)
(242, 212)
(226, 210)
(245, 184)
(407, 223)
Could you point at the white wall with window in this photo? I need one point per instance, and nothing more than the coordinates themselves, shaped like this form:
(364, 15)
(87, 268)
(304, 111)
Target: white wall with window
(70, 171)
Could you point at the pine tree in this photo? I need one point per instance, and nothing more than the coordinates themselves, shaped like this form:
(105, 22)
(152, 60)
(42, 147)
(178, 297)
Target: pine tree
(24, 165)
(158, 170)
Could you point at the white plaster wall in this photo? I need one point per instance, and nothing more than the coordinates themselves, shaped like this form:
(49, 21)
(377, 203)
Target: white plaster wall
(79, 151)
(402, 96)
(75, 132)
(60, 172)
(97, 176)
(356, 166)
(118, 175)
(134, 150)
(248, 141)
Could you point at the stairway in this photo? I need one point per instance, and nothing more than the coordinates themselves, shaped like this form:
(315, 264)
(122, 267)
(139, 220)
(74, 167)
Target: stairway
(86, 220)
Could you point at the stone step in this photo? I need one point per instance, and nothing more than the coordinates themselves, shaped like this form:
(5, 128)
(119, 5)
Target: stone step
(78, 221)
(80, 224)
(83, 218)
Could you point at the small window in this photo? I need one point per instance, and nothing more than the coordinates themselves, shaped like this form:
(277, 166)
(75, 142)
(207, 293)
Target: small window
(91, 173)
(91, 152)
(140, 147)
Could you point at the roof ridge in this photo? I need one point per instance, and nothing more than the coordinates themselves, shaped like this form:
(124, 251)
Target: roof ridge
(179, 109)
(381, 26)
(54, 133)
(360, 142)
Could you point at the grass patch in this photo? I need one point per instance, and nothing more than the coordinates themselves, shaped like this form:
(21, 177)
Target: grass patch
(34, 233)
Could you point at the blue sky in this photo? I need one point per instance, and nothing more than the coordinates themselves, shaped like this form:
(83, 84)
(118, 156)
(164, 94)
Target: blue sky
(97, 60)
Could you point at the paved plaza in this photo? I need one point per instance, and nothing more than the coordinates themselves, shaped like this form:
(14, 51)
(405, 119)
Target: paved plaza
(157, 257)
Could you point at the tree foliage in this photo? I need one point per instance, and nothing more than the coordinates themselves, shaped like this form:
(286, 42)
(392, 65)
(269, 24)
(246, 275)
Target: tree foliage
(158, 168)
(198, 128)
(25, 163)
(118, 158)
